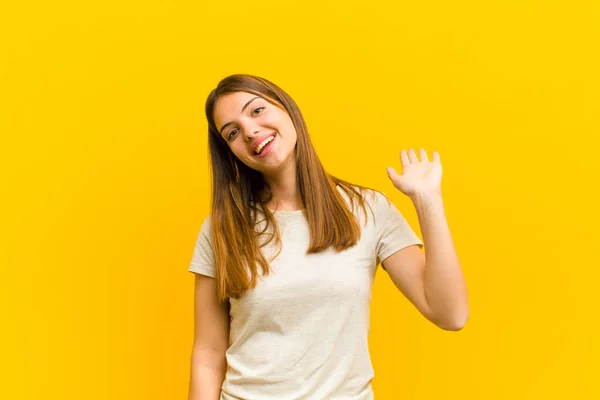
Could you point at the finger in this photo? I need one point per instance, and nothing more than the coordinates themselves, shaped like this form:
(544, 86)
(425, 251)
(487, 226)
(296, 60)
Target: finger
(424, 156)
(404, 158)
(436, 157)
(392, 174)
(412, 156)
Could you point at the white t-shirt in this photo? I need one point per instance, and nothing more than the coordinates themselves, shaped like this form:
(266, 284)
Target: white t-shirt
(302, 333)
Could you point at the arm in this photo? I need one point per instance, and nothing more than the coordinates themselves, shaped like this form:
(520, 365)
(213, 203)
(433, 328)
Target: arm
(432, 281)
(211, 340)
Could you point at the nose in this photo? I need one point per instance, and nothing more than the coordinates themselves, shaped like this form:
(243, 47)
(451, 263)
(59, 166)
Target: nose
(251, 133)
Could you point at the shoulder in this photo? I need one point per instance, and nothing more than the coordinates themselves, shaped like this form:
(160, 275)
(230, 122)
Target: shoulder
(351, 190)
(380, 199)
(206, 227)
(364, 202)
(206, 222)
(369, 195)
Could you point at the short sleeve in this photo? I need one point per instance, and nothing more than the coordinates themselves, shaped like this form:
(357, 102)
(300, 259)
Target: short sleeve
(203, 258)
(392, 230)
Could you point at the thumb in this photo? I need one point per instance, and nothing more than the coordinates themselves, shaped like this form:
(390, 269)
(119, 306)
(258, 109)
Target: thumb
(392, 174)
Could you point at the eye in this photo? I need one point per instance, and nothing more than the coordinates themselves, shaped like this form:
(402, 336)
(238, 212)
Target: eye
(256, 109)
(231, 134)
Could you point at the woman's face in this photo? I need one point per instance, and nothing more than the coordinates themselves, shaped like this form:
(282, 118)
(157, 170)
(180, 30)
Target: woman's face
(260, 134)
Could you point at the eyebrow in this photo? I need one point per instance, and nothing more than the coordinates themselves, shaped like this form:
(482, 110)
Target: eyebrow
(243, 108)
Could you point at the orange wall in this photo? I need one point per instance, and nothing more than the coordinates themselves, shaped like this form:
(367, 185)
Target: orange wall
(104, 181)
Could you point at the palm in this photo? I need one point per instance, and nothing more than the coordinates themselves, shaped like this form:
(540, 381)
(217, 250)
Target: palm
(417, 176)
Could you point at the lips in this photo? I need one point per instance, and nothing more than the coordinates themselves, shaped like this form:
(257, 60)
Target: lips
(260, 140)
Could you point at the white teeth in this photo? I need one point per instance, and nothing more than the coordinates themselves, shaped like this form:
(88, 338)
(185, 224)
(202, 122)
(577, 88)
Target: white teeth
(263, 144)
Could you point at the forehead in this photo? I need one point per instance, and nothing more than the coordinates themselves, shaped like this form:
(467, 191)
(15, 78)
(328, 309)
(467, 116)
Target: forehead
(230, 106)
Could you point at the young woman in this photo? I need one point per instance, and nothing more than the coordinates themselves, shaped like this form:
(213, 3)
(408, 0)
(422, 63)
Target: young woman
(285, 262)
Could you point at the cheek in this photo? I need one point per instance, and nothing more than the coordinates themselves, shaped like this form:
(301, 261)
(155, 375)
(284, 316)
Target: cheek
(290, 130)
(293, 133)
(238, 151)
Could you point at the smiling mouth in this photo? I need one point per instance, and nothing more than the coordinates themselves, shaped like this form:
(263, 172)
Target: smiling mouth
(264, 144)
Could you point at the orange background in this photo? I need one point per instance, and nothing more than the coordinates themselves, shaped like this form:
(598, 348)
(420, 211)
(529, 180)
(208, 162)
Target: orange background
(104, 181)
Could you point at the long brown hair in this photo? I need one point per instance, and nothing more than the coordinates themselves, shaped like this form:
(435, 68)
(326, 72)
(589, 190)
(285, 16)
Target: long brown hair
(240, 194)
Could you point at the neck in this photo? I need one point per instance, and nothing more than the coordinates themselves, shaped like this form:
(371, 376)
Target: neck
(284, 187)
